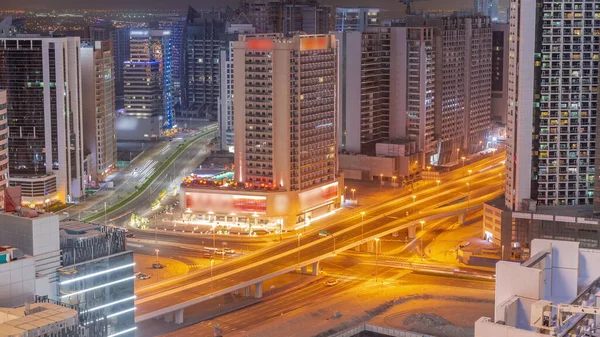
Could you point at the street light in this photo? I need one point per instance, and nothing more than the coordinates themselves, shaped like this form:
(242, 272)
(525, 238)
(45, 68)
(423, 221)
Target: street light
(463, 164)
(414, 197)
(156, 250)
(376, 257)
(422, 234)
(333, 237)
(212, 262)
(394, 181)
(470, 171)
(438, 195)
(380, 181)
(468, 195)
(362, 218)
(353, 190)
(298, 236)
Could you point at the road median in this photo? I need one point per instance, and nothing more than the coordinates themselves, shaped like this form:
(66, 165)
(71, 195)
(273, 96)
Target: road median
(162, 168)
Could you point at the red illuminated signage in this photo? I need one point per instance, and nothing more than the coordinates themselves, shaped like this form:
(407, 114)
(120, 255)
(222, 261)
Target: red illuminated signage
(260, 44)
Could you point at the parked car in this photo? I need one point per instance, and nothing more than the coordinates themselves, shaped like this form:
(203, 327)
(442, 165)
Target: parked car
(330, 283)
(144, 277)
(137, 273)
(130, 235)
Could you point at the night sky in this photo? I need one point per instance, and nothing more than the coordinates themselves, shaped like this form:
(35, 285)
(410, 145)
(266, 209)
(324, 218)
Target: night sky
(392, 5)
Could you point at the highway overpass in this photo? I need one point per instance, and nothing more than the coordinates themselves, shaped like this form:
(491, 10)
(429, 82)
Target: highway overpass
(168, 299)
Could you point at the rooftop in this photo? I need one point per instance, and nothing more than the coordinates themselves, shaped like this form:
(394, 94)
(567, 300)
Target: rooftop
(42, 316)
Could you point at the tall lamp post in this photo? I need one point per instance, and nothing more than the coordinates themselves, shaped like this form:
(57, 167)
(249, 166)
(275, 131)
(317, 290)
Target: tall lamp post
(380, 181)
(353, 190)
(156, 250)
(422, 234)
(362, 233)
(394, 181)
(414, 197)
(463, 164)
(376, 257)
(468, 195)
(438, 195)
(212, 263)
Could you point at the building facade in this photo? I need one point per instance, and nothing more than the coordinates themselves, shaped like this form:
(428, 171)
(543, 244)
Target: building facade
(148, 89)
(355, 18)
(120, 38)
(366, 86)
(554, 164)
(3, 146)
(234, 30)
(175, 26)
(42, 79)
(204, 36)
(98, 82)
(500, 56)
(286, 165)
(97, 274)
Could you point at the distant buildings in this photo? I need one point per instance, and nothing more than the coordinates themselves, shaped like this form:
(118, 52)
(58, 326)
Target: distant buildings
(204, 38)
(176, 26)
(148, 86)
(286, 166)
(355, 19)
(552, 104)
(488, 8)
(289, 17)
(44, 116)
(98, 86)
(120, 37)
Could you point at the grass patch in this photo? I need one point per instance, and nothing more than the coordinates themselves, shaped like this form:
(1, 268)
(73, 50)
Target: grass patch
(140, 189)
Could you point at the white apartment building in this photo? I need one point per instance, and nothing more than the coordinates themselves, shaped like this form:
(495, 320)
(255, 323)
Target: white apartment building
(552, 98)
(43, 87)
(554, 293)
(98, 85)
(226, 88)
(3, 146)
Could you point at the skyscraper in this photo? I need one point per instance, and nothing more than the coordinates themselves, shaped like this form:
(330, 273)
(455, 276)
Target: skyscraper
(3, 146)
(286, 163)
(355, 18)
(98, 95)
(204, 35)
(285, 92)
(148, 86)
(175, 26)
(120, 39)
(364, 90)
(42, 79)
(234, 30)
(552, 103)
(499, 72)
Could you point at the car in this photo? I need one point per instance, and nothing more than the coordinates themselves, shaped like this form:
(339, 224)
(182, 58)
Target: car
(323, 233)
(228, 251)
(67, 271)
(137, 273)
(130, 235)
(157, 265)
(330, 283)
(207, 256)
(144, 277)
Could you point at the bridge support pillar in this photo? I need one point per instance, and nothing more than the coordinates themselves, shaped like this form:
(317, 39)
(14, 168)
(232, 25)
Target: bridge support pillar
(412, 230)
(258, 290)
(179, 316)
(236, 292)
(371, 246)
(461, 219)
(169, 317)
(315, 268)
(247, 292)
(303, 270)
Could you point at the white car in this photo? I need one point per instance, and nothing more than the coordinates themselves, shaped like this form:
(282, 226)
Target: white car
(144, 277)
(330, 283)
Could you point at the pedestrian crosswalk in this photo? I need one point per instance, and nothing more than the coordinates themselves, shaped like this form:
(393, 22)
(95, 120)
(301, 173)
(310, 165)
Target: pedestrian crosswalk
(192, 266)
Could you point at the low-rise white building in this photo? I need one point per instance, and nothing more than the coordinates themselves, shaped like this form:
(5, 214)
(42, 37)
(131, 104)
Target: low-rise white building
(556, 292)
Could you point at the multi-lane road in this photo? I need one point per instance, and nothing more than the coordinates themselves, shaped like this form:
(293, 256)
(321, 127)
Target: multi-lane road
(483, 184)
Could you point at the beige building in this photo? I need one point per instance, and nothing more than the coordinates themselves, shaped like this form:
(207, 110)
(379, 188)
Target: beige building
(286, 163)
(98, 87)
